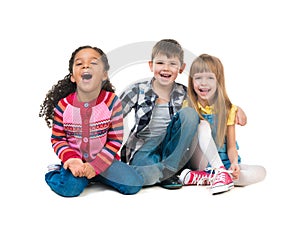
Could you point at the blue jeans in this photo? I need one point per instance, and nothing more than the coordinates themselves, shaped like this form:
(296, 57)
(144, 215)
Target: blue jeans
(119, 176)
(161, 157)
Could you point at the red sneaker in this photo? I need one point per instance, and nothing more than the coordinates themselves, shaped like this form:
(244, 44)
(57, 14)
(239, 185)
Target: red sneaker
(221, 181)
(197, 177)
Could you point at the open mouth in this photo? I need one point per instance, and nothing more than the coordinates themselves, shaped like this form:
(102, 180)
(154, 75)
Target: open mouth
(165, 75)
(204, 91)
(86, 76)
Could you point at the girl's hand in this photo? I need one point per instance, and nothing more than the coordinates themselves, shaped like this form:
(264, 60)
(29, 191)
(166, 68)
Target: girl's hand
(89, 171)
(75, 165)
(235, 168)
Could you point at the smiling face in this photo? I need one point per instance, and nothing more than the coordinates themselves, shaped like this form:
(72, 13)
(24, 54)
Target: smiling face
(165, 69)
(205, 86)
(88, 73)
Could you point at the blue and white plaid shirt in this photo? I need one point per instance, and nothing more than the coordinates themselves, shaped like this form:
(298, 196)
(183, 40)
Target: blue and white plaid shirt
(141, 97)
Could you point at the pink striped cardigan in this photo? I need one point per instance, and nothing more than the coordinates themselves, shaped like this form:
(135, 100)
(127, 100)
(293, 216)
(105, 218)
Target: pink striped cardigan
(91, 131)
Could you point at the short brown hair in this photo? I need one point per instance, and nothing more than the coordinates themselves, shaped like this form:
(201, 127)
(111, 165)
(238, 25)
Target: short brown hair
(168, 47)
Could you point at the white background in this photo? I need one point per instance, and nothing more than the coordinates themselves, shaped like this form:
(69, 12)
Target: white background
(258, 43)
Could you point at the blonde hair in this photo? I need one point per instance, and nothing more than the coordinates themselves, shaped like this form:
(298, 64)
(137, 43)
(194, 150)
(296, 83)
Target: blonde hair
(221, 101)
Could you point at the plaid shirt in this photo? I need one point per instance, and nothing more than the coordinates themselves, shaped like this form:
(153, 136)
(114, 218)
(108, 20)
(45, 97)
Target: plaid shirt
(141, 97)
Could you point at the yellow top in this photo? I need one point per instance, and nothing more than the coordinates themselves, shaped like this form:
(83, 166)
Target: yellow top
(210, 109)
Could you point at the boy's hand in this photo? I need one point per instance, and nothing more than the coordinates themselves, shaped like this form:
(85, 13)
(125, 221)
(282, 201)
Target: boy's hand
(75, 165)
(240, 118)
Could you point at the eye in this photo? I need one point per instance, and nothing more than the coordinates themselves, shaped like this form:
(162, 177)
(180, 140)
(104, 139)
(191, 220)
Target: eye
(174, 64)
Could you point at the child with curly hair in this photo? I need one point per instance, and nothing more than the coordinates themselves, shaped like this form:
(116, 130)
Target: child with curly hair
(87, 128)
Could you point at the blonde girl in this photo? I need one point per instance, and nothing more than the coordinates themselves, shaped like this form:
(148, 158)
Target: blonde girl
(208, 96)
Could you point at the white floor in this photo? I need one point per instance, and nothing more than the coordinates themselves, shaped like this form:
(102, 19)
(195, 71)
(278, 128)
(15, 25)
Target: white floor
(33, 203)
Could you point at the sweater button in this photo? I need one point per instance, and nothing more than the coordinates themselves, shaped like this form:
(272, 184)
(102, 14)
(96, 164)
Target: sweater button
(85, 139)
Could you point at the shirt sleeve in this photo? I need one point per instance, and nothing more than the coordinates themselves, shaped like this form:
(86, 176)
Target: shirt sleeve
(129, 99)
(58, 138)
(231, 115)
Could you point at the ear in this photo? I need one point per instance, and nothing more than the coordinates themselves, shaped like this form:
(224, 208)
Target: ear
(150, 65)
(72, 78)
(182, 68)
(105, 76)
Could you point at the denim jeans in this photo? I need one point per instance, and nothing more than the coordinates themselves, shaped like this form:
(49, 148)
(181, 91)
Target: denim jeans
(161, 157)
(119, 176)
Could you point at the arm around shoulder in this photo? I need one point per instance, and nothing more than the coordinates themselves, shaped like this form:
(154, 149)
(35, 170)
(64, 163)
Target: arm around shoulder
(241, 117)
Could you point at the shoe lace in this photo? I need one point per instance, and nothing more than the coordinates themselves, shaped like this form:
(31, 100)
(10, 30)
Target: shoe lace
(201, 179)
(217, 174)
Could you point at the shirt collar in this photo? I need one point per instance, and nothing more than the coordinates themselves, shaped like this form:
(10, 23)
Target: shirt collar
(209, 109)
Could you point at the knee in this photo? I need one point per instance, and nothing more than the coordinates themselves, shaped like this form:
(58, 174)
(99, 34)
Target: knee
(251, 174)
(150, 174)
(262, 172)
(72, 190)
(190, 115)
(258, 172)
(65, 184)
(132, 187)
(130, 190)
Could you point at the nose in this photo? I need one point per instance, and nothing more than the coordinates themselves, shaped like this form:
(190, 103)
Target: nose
(85, 65)
(202, 82)
(166, 66)
(206, 80)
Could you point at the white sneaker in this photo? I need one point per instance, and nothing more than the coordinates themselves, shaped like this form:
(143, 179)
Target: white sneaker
(53, 167)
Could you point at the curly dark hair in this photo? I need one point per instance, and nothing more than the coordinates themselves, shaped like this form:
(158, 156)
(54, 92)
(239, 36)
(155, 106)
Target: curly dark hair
(65, 86)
